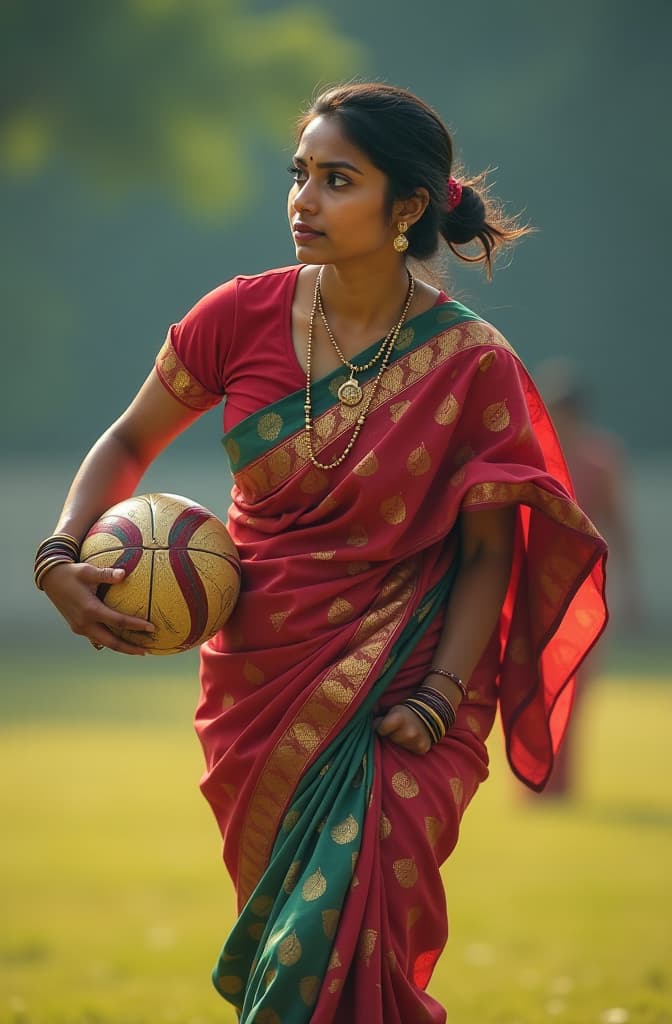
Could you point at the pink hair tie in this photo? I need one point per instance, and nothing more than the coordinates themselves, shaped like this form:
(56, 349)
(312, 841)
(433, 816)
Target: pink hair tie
(453, 195)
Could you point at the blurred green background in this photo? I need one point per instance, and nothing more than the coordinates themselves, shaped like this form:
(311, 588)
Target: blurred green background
(143, 147)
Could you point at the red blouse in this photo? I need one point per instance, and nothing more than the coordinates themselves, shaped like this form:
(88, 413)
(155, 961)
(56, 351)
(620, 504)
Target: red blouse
(236, 341)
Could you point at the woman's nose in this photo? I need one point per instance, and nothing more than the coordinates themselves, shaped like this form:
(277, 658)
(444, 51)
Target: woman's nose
(305, 197)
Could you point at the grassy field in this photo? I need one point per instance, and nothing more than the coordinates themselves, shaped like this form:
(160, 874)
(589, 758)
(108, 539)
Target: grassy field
(113, 901)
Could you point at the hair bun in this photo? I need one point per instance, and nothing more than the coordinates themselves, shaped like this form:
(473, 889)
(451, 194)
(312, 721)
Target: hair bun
(464, 223)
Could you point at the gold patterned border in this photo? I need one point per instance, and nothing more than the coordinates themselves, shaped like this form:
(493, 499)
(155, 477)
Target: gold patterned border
(316, 722)
(562, 510)
(177, 379)
(275, 467)
(558, 572)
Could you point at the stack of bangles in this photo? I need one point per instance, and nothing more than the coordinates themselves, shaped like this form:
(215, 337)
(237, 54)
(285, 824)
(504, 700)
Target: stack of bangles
(433, 708)
(58, 548)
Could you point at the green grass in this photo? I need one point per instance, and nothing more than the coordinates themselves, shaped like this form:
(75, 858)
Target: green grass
(114, 901)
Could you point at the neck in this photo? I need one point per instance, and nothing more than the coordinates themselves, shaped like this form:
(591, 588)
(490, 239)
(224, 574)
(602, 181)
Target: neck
(365, 299)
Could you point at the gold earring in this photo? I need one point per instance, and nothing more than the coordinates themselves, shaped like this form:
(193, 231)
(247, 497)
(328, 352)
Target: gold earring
(400, 243)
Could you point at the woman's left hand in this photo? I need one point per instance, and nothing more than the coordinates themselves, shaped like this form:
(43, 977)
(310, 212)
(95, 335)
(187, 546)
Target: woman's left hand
(403, 727)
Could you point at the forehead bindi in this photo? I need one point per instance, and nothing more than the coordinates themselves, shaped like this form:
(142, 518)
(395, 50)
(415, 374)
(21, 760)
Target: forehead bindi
(322, 144)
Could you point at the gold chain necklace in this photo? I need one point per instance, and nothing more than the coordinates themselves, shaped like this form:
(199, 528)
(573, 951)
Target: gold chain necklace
(385, 352)
(350, 391)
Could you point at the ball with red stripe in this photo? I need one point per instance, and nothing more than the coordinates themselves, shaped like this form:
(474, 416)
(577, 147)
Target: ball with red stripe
(182, 568)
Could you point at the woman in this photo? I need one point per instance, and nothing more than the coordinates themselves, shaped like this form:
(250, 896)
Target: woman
(412, 557)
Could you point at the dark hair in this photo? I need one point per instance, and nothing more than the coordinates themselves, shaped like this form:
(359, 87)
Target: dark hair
(410, 144)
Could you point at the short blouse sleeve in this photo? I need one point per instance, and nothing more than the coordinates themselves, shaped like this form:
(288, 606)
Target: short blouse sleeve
(191, 364)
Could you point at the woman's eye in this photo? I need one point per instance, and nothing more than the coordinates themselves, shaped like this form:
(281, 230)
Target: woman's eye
(333, 179)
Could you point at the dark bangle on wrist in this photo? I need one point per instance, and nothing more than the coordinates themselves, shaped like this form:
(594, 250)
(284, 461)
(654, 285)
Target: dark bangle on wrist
(55, 550)
(452, 676)
(434, 710)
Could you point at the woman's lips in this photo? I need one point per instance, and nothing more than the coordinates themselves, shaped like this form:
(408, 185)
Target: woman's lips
(304, 232)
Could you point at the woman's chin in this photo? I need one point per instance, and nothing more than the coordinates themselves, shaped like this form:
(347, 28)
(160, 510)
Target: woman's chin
(308, 258)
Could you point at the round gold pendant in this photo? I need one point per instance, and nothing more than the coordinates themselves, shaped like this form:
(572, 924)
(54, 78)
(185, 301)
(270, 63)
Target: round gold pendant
(350, 392)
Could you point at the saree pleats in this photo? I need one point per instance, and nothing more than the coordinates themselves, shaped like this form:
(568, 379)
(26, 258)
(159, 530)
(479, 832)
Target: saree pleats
(282, 943)
(403, 922)
(334, 838)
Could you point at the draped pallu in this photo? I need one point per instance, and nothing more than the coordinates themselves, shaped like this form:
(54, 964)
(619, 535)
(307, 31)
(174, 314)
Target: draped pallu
(333, 836)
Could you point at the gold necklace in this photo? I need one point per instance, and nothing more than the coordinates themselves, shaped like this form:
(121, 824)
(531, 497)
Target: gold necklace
(385, 352)
(350, 392)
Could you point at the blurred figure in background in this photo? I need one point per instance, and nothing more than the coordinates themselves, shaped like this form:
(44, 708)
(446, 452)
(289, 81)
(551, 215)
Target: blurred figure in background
(599, 470)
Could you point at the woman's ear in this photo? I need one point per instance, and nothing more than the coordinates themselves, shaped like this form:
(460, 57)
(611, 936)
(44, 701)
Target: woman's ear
(411, 209)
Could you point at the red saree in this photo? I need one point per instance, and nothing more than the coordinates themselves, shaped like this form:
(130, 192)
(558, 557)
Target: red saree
(334, 837)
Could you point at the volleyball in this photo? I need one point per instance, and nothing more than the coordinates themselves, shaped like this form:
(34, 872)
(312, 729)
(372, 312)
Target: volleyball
(182, 569)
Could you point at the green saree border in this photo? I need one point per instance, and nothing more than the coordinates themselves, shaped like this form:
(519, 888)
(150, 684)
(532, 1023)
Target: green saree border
(250, 438)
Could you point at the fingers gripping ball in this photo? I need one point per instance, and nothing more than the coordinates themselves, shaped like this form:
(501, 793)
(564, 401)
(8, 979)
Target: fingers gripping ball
(182, 569)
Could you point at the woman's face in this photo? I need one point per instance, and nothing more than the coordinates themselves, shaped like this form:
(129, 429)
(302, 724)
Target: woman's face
(337, 204)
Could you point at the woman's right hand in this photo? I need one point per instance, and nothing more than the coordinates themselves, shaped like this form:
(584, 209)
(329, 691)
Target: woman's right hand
(72, 586)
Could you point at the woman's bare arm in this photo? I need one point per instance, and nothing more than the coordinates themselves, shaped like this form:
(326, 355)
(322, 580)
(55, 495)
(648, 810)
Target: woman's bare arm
(109, 473)
(473, 611)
